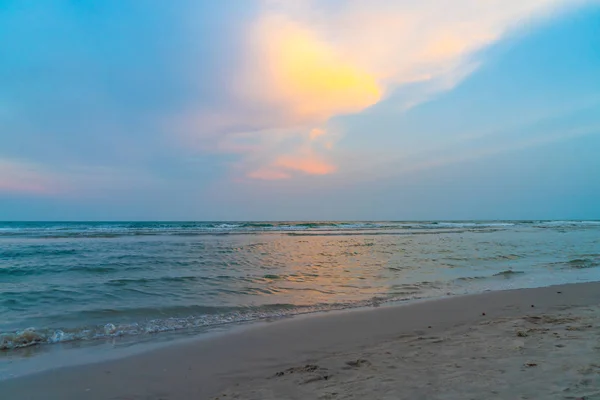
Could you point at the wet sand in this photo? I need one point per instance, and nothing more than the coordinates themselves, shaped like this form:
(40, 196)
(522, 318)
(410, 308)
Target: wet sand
(522, 344)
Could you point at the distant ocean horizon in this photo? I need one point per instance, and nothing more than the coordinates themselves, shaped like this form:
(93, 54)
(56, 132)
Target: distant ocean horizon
(67, 282)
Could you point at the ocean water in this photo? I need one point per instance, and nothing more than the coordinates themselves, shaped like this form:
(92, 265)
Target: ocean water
(85, 282)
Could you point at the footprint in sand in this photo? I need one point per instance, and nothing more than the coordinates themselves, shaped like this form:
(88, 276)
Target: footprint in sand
(317, 378)
(304, 369)
(358, 363)
(316, 372)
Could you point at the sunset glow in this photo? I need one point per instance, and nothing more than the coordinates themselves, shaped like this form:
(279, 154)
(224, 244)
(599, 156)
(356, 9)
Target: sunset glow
(309, 75)
(412, 105)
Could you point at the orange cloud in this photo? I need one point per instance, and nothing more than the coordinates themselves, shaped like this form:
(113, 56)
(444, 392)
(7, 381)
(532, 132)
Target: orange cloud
(308, 75)
(309, 164)
(305, 62)
(305, 158)
(315, 133)
(323, 61)
(285, 166)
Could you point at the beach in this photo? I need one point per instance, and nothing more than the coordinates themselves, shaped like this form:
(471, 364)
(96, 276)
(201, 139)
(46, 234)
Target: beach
(514, 344)
(299, 199)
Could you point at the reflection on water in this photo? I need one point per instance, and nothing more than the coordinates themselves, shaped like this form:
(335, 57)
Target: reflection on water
(76, 282)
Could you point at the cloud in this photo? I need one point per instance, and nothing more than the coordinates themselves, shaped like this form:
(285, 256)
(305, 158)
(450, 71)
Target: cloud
(306, 61)
(294, 69)
(25, 177)
(282, 153)
(305, 159)
(19, 177)
(307, 163)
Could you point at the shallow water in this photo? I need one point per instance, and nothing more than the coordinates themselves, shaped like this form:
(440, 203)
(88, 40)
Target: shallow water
(85, 282)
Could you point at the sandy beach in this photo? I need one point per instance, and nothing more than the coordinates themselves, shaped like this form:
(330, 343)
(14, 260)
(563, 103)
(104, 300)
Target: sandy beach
(522, 344)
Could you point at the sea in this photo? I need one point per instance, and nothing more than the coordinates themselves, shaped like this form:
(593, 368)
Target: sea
(80, 285)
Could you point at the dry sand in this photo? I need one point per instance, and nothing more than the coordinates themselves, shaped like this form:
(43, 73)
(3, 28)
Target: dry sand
(444, 349)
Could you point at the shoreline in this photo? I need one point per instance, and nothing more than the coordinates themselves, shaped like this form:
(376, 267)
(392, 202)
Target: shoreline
(161, 338)
(42, 357)
(204, 367)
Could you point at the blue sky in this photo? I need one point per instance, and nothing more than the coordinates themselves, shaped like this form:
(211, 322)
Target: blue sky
(266, 110)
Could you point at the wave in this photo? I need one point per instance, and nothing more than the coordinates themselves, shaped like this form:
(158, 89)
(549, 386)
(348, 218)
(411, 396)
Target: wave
(37, 251)
(468, 225)
(567, 224)
(509, 273)
(118, 229)
(35, 270)
(582, 263)
(137, 281)
(32, 336)
(18, 271)
(192, 318)
(585, 262)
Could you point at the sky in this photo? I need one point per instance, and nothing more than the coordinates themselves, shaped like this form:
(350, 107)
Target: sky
(299, 109)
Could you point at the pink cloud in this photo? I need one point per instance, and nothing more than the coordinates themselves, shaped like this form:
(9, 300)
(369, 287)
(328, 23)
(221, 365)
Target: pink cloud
(23, 187)
(26, 178)
(309, 164)
(287, 166)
